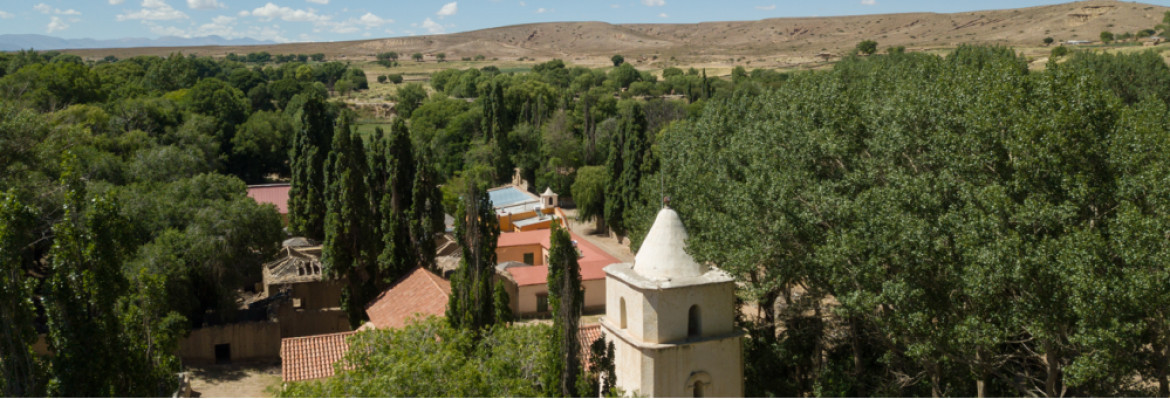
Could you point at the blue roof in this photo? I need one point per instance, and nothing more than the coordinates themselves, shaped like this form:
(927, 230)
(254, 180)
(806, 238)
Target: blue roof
(508, 196)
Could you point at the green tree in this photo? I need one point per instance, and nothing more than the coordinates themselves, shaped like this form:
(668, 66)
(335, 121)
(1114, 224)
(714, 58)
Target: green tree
(426, 213)
(1048, 41)
(1059, 51)
(261, 146)
(565, 298)
(624, 166)
(867, 47)
(23, 373)
(1107, 37)
(409, 97)
(476, 230)
(617, 59)
(399, 254)
(347, 250)
(311, 148)
(589, 193)
(417, 57)
(441, 57)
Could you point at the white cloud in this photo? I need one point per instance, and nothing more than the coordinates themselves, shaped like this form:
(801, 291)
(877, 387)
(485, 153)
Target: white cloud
(372, 20)
(522, 4)
(154, 10)
(663, 15)
(46, 9)
(448, 9)
(116, 2)
(541, 10)
(4, 15)
(654, 3)
(432, 26)
(271, 11)
(868, 2)
(766, 8)
(203, 4)
(223, 26)
(614, 6)
(318, 1)
(56, 24)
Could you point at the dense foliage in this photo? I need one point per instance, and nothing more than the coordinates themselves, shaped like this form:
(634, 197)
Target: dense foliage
(956, 226)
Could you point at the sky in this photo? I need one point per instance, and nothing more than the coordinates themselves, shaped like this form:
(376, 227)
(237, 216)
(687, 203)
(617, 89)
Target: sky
(334, 20)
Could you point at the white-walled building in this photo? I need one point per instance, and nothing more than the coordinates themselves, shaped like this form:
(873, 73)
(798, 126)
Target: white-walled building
(671, 320)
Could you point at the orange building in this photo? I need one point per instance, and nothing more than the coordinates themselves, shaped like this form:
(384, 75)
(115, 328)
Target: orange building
(523, 266)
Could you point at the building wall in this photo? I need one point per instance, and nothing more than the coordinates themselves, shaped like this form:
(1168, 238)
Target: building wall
(717, 364)
(249, 341)
(516, 254)
(313, 294)
(617, 291)
(300, 323)
(669, 308)
(594, 295)
(527, 298)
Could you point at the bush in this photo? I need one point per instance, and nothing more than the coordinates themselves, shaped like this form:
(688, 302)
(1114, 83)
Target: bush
(394, 78)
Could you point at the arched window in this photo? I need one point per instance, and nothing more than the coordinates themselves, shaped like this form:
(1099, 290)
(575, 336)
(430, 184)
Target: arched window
(622, 311)
(694, 326)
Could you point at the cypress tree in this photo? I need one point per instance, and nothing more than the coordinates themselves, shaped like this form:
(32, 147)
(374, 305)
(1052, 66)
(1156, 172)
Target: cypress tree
(347, 251)
(426, 213)
(476, 229)
(625, 166)
(565, 297)
(398, 255)
(311, 147)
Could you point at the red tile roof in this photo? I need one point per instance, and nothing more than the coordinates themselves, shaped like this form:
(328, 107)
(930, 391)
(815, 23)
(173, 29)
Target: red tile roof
(312, 357)
(592, 261)
(276, 194)
(419, 292)
(587, 334)
(521, 238)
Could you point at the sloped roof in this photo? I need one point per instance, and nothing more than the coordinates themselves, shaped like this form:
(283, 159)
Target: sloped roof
(276, 194)
(663, 253)
(586, 335)
(420, 292)
(592, 262)
(312, 357)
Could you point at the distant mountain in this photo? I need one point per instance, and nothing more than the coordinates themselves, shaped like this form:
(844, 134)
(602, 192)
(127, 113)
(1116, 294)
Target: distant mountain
(42, 42)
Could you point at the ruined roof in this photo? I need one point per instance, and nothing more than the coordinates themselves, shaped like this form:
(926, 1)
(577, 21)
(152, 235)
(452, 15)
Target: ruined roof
(276, 194)
(294, 265)
(420, 292)
(312, 357)
(663, 253)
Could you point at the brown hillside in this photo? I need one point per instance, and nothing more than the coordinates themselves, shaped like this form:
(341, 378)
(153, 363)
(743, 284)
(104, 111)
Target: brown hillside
(769, 42)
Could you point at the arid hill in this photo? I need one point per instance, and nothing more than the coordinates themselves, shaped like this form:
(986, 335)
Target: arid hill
(769, 42)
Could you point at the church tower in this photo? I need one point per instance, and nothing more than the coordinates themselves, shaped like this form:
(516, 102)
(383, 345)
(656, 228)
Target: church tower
(671, 320)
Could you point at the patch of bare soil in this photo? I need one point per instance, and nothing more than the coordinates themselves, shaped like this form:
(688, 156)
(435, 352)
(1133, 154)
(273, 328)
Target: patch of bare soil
(254, 380)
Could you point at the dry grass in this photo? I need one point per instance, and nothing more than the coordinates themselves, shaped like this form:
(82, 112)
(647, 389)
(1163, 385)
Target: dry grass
(790, 43)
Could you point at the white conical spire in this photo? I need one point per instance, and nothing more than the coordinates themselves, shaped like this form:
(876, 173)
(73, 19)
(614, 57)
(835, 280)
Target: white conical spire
(663, 253)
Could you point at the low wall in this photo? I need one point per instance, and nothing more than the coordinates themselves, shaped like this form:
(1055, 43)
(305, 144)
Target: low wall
(250, 341)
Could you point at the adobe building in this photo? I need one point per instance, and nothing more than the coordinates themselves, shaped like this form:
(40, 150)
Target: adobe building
(523, 267)
(671, 320)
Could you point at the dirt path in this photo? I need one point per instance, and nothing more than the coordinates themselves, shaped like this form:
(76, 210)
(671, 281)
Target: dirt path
(235, 380)
(604, 241)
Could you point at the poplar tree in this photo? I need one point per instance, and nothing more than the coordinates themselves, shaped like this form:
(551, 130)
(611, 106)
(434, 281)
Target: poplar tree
(565, 298)
(310, 152)
(348, 248)
(426, 213)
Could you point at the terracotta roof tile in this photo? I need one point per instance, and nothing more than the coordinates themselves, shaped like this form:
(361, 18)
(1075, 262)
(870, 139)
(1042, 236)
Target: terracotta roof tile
(420, 292)
(276, 194)
(593, 260)
(312, 357)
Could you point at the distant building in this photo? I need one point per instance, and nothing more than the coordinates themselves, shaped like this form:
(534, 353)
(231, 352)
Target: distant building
(519, 210)
(672, 320)
(276, 194)
(523, 267)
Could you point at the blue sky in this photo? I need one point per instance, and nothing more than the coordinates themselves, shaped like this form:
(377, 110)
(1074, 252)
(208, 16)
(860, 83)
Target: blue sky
(331, 20)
